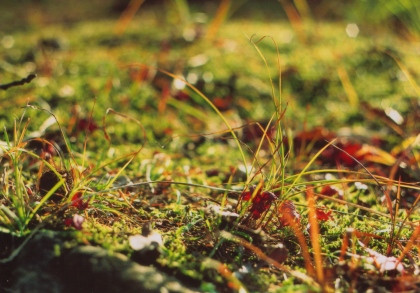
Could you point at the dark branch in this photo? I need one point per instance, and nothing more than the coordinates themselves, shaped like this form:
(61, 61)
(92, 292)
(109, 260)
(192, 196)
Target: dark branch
(27, 79)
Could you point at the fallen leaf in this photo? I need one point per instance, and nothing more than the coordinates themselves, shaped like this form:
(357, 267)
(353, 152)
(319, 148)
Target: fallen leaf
(287, 210)
(329, 190)
(321, 215)
(76, 201)
(261, 201)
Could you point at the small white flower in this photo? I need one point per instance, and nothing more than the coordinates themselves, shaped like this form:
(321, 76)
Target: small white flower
(360, 186)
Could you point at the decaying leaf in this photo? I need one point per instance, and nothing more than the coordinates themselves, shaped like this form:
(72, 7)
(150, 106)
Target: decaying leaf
(323, 215)
(286, 212)
(261, 201)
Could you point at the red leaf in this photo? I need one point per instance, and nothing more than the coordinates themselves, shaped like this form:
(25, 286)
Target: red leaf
(29, 191)
(141, 74)
(261, 202)
(182, 96)
(255, 131)
(345, 155)
(322, 215)
(350, 149)
(246, 195)
(279, 253)
(76, 201)
(68, 222)
(223, 103)
(316, 137)
(87, 125)
(328, 190)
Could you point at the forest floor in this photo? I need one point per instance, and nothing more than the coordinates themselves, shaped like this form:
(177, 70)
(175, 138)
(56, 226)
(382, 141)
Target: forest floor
(256, 155)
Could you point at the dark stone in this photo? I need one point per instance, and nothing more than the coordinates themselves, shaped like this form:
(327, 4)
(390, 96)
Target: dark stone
(147, 256)
(43, 265)
(93, 269)
(49, 179)
(30, 269)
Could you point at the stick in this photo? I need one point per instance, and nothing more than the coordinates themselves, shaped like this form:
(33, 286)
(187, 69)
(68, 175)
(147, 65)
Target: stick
(27, 79)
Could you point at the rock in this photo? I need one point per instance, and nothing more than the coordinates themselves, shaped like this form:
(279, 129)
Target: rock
(30, 269)
(93, 269)
(42, 267)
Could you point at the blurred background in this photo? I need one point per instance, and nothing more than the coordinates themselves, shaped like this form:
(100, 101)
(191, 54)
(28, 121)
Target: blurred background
(398, 15)
(350, 66)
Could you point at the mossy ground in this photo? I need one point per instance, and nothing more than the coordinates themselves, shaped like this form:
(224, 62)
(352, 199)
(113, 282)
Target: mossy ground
(168, 132)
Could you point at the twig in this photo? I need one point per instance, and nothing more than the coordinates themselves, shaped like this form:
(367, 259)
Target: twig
(27, 79)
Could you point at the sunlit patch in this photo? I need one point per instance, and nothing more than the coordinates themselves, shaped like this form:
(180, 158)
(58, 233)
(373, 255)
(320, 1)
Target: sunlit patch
(394, 115)
(66, 91)
(382, 262)
(42, 81)
(352, 30)
(7, 42)
(230, 46)
(179, 84)
(286, 36)
(30, 66)
(198, 60)
(139, 242)
(189, 34)
(192, 77)
(401, 76)
(208, 76)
